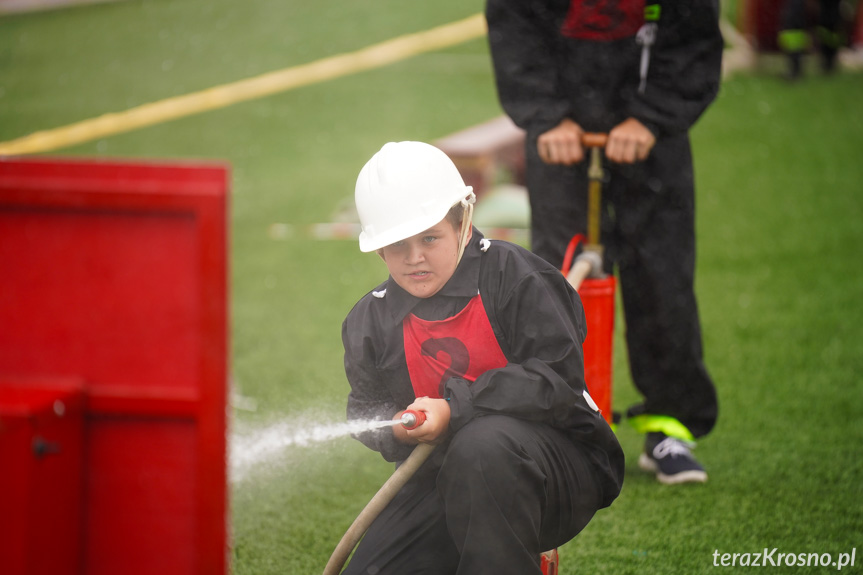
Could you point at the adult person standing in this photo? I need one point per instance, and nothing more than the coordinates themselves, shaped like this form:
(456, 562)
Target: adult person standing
(644, 73)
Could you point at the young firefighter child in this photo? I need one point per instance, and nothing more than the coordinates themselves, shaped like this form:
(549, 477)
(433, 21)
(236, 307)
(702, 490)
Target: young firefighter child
(486, 339)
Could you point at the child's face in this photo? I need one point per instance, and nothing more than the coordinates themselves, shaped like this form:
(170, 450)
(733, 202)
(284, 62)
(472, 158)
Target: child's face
(422, 264)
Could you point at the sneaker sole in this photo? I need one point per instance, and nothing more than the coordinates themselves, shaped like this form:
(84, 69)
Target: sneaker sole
(692, 476)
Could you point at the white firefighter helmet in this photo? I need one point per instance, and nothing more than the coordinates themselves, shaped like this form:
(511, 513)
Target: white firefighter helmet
(404, 189)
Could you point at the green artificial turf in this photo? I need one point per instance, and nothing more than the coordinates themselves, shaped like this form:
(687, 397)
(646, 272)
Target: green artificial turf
(779, 205)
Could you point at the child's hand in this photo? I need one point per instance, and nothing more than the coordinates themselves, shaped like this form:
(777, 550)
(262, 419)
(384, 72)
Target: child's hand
(435, 427)
(561, 144)
(629, 142)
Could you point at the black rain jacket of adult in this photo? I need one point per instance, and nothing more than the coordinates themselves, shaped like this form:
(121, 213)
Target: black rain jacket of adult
(538, 321)
(544, 76)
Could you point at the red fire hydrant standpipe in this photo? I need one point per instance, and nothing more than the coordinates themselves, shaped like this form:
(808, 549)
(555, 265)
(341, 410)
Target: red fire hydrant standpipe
(589, 262)
(595, 288)
(410, 420)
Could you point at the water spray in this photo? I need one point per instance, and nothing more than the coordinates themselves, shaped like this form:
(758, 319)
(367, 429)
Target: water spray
(248, 450)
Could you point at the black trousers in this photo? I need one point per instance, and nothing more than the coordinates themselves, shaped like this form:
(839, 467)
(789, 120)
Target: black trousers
(489, 501)
(648, 230)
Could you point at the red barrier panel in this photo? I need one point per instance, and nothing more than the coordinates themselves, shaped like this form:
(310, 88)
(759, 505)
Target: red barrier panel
(115, 274)
(857, 33)
(41, 442)
(597, 297)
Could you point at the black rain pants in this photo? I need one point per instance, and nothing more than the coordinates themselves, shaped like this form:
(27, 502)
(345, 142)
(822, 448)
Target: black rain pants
(489, 501)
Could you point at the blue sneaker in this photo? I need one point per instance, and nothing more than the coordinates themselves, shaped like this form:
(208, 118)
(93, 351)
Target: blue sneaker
(671, 460)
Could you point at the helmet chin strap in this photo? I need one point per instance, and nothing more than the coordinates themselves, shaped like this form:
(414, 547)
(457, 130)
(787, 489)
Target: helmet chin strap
(466, 223)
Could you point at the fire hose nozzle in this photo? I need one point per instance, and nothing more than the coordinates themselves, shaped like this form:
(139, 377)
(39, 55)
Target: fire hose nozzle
(412, 419)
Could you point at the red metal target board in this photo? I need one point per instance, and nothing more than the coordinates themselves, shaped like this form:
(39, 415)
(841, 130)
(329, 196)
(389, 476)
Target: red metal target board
(114, 273)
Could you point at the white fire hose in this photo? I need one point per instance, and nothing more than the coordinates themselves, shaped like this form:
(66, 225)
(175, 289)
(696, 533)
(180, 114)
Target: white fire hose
(381, 499)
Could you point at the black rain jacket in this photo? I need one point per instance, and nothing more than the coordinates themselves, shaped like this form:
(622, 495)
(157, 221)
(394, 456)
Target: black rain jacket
(539, 323)
(544, 76)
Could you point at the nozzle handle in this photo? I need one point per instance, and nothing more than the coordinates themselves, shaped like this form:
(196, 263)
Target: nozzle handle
(411, 419)
(594, 140)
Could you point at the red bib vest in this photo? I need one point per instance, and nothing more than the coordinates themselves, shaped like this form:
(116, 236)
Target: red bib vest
(460, 346)
(603, 20)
